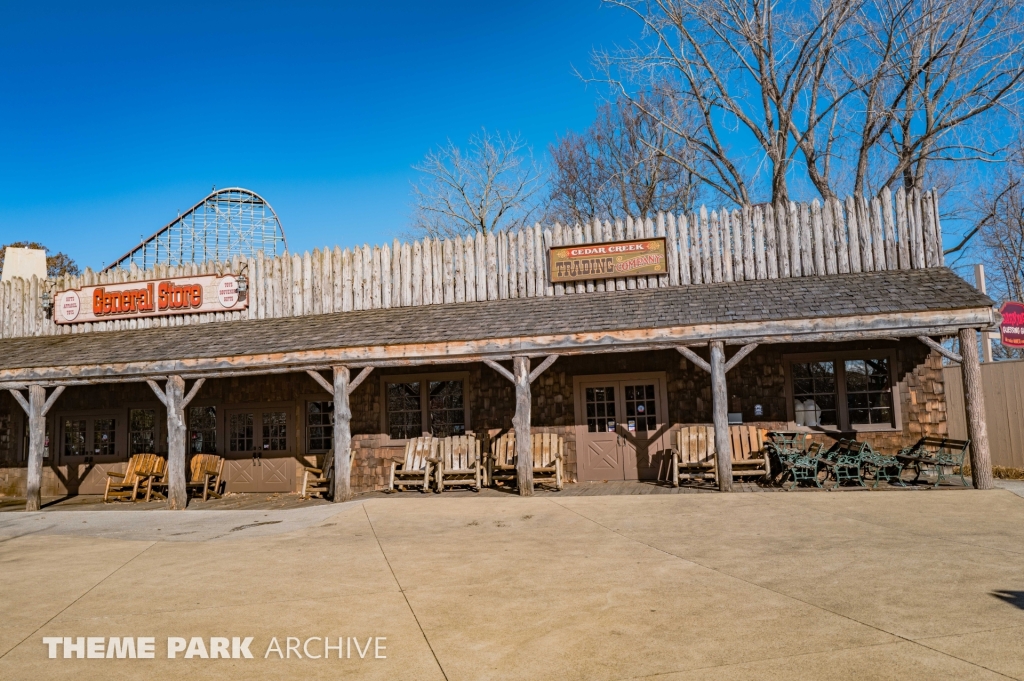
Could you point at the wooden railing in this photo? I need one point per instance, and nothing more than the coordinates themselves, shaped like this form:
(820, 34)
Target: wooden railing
(755, 242)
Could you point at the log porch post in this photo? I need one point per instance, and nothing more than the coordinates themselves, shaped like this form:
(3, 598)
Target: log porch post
(521, 423)
(974, 403)
(342, 435)
(175, 400)
(720, 416)
(36, 407)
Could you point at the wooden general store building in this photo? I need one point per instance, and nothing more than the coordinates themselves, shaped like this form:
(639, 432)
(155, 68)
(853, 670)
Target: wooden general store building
(753, 313)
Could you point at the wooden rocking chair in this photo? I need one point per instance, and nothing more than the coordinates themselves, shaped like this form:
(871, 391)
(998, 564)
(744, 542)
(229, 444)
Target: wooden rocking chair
(416, 467)
(205, 472)
(318, 480)
(547, 450)
(459, 463)
(142, 470)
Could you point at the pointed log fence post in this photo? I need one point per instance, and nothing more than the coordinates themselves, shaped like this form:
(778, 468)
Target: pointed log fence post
(974, 403)
(340, 389)
(522, 377)
(718, 368)
(173, 397)
(36, 407)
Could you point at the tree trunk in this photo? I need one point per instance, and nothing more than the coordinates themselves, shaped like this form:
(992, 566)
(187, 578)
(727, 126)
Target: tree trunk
(342, 436)
(521, 424)
(36, 445)
(974, 402)
(720, 412)
(177, 494)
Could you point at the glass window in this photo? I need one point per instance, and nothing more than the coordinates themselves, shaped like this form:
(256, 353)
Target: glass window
(104, 433)
(319, 426)
(814, 390)
(74, 437)
(641, 412)
(275, 431)
(405, 413)
(600, 409)
(240, 433)
(141, 431)
(202, 430)
(6, 436)
(447, 412)
(868, 395)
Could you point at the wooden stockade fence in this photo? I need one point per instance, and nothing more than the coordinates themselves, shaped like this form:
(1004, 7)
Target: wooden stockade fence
(755, 242)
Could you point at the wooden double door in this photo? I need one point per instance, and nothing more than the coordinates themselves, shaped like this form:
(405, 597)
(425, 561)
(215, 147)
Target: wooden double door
(621, 428)
(260, 450)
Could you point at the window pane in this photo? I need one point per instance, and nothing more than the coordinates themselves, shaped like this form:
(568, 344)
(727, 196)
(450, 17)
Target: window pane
(602, 402)
(405, 415)
(814, 393)
(275, 431)
(74, 437)
(141, 431)
(868, 393)
(641, 412)
(202, 426)
(104, 432)
(447, 414)
(320, 426)
(240, 433)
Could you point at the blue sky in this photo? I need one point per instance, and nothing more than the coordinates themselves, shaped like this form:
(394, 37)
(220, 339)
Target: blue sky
(114, 117)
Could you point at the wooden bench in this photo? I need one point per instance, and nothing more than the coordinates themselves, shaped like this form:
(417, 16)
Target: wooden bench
(694, 455)
(142, 469)
(548, 450)
(421, 454)
(459, 463)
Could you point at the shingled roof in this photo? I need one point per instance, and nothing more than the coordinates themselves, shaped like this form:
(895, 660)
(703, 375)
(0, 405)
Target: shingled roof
(909, 291)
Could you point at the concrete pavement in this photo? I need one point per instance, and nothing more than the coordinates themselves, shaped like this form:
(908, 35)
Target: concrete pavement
(900, 585)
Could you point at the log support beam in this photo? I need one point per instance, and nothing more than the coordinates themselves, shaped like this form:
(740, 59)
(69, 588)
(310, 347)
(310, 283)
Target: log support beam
(974, 404)
(720, 416)
(36, 407)
(174, 398)
(521, 378)
(942, 350)
(340, 389)
(718, 368)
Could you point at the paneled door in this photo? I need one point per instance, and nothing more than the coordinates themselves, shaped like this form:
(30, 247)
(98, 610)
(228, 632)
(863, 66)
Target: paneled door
(621, 426)
(259, 456)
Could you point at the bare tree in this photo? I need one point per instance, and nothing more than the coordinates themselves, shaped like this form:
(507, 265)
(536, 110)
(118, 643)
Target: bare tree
(491, 187)
(764, 68)
(937, 72)
(625, 163)
(838, 94)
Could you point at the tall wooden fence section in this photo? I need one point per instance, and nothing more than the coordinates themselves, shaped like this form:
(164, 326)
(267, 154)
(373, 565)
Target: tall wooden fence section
(1002, 384)
(755, 242)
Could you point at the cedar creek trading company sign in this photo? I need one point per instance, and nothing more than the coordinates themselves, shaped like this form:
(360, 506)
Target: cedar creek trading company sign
(608, 260)
(135, 299)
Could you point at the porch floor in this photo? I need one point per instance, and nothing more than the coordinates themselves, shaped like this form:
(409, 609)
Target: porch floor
(278, 501)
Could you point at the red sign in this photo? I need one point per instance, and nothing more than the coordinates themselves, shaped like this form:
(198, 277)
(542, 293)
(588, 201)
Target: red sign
(135, 299)
(1011, 329)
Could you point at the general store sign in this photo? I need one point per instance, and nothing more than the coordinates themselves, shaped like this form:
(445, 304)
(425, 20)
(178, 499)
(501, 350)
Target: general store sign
(608, 260)
(1011, 329)
(136, 299)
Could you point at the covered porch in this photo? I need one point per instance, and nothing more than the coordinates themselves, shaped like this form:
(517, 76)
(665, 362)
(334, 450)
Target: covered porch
(709, 351)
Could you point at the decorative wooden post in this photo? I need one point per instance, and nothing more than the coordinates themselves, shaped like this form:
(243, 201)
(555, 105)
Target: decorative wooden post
(718, 368)
(720, 416)
(36, 407)
(175, 400)
(340, 389)
(974, 402)
(521, 423)
(521, 378)
(342, 436)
